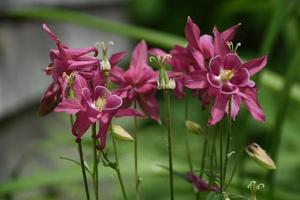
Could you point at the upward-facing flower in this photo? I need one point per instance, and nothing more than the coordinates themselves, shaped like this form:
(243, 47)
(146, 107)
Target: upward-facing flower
(138, 83)
(219, 73)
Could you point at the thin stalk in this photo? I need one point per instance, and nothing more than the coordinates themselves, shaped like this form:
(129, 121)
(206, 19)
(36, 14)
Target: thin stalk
(82, 165)
(213, 156)
(187, 143)
(221, 156)
(228, 129)
(137, 181)
(204, 152)
(118, 167)
(96, 162)
(168, 121)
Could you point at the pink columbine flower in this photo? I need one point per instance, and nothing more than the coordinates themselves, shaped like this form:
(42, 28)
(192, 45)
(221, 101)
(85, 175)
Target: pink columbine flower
(65, 60)
(199, 184)
(101, 105)
(221, 74)
(138, 83)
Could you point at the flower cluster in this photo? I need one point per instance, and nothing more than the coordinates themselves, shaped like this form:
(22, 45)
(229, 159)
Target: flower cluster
(80, 80)
(211, 67)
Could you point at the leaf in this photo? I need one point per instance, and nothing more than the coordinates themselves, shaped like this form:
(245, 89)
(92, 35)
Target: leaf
(86, 166)
(214, 196)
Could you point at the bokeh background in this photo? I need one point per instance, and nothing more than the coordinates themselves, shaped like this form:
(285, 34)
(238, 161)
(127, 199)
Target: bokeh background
(30, 167)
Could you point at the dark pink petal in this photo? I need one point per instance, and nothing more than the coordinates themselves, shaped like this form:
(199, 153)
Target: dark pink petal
(235, 105)
(249, 97)
(50, 33)
(77, 65)
(216, 65)
(255, 65)
(232, 61)
(206, 46)
(229, 89)
(139, 56)
(196, 80)
(218, 109)
(116, 75)
(150, 106)
(213, 80)
(115, 58)
(157, 52)
(104, 124)
(50, 99)
(128, 112)
(241, 78)
(86, 94)
(101, 91)
(77, 52)
(147, 89)
(179, 89)
(113, 102)
(70, 106)
(79, 84)
(192, 34)
(220, 45)
(199, 58)
(229, 34)
(81, 125)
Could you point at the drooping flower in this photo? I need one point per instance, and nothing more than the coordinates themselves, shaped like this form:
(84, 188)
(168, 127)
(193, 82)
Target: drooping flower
(101, 105)
(65, 60)
(199, 184)
(138, 83)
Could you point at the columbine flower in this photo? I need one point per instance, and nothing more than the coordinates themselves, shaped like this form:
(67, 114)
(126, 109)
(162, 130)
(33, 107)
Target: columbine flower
(138, 83)
(101, 105)
(220, 74)
(199, 184)
(65, 60)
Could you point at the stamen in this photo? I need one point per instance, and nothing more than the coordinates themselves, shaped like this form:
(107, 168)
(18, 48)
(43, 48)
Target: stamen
(233, 48)
(104, 61)
(100, 103)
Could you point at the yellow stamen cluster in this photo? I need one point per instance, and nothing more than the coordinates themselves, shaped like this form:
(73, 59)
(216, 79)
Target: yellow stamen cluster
(226, 75)
(100, 103)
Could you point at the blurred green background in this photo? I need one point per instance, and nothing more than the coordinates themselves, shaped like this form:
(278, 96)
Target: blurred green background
(31, 146)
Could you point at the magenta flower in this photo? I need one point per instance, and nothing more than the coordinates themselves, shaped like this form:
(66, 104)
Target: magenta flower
(101, 105)
(220, 74)
(65, 60)
(138, 83)
(199, 184)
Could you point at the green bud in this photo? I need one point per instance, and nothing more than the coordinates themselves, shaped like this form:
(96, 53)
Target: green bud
(120, 133)
(260, 156)
(193, 127)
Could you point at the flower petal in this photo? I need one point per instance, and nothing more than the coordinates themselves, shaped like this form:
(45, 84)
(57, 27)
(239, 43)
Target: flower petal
(192, 34)
(232, 61)
(241, 78)
(113, 102)
(139, 56)
(196, 80)
(218, 109)
(255, 65)
(150, 106)
(216, 65)
(117, 57)
(229, 34)
(206, 46)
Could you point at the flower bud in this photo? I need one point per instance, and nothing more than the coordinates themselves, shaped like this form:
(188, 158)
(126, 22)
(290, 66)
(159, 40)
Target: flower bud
(193, 127)
(260, 156)
(120, 133)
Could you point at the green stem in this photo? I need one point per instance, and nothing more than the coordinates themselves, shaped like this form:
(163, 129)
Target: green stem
(228, 139)
(204, 152)
(96, 162)
(187, 144)
(82, 165)
(168, 121)
(221, 156)
(213, 151)
(137, 179)
(118, 167)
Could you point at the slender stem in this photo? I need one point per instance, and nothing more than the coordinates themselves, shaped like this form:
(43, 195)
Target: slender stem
(96, 162)
(82, 165)
(187, 144)
(168, 121)
(221, 157)
(228, 139)
(137, 180)
(118, 167)
(204, 153)
(213, 156)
